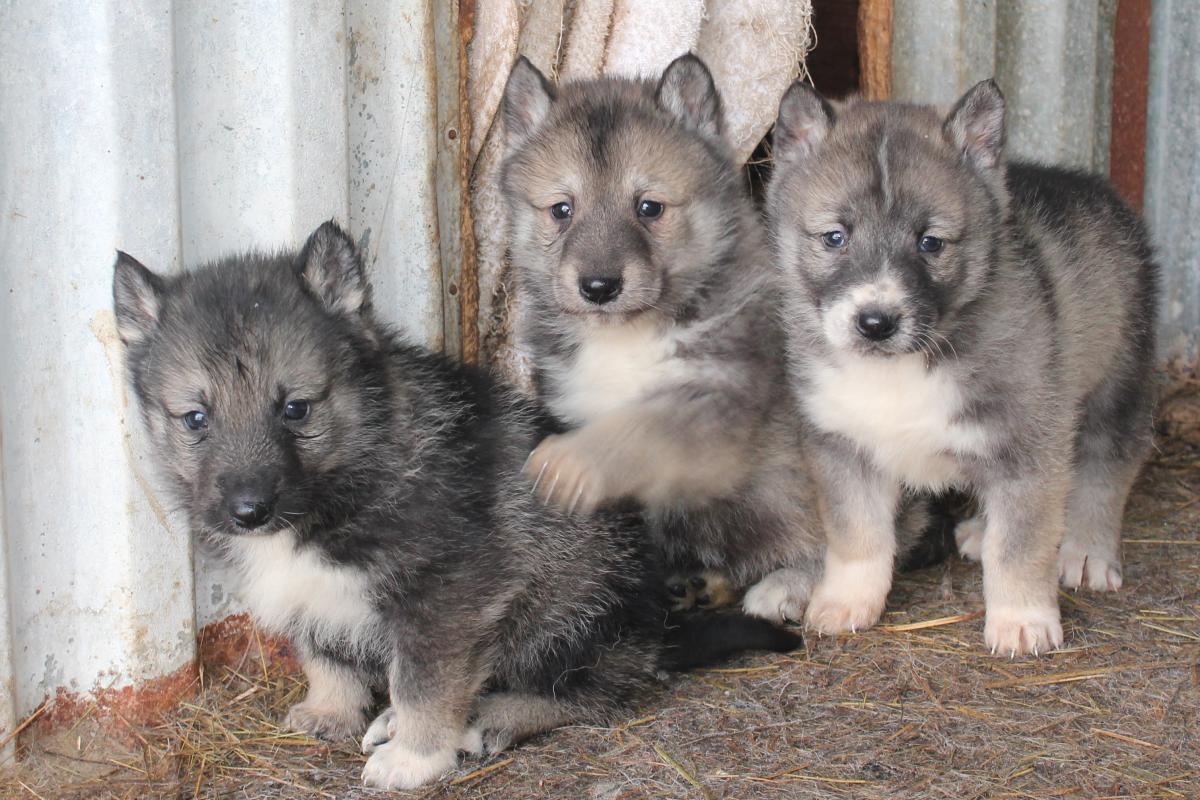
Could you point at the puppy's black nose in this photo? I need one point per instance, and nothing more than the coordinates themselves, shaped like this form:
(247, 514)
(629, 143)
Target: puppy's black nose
(876, 325)
(251, 512)
(598, 290)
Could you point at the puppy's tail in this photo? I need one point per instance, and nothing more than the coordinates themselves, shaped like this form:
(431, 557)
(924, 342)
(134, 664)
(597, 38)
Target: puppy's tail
(697, 639)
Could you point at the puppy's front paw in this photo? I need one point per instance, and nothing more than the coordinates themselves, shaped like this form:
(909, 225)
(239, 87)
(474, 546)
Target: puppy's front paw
(1080, 566)
(393, 766)
(564, 473)
(779, 597)
(323, 722)
(850, 596)
(380, 731)
(968, 536)
(1017, 630)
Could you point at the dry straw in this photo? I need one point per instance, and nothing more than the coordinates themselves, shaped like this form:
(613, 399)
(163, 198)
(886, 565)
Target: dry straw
(913, 708)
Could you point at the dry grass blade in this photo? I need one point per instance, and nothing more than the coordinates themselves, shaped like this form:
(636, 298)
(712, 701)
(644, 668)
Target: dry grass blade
(1078, 675)
(25, 723)
(479, 773)
(1172, 631)
(931, 623)
(1123, 738)
(1193, 542)
(683, 772)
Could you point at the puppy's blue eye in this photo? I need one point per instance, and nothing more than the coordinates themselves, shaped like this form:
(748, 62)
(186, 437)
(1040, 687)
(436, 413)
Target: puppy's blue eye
(834, 239)
(296, 410)
(929, 244)
(560, 210)
(649, 209)
(195, 420)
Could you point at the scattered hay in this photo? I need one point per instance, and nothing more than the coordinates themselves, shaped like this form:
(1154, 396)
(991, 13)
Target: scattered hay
(913, 708)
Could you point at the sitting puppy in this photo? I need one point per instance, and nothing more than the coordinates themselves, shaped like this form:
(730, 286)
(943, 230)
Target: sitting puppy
(649, 306)
(956, 321)
(368, 493)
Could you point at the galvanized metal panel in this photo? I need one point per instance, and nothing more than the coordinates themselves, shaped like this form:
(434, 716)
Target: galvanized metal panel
(98, 584)
(1173, 171)
(178, 132)
(393, 131)
(1052, 59)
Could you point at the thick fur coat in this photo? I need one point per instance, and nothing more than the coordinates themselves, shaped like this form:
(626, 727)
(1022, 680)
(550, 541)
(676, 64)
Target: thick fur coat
(959, 321)
(368, 494)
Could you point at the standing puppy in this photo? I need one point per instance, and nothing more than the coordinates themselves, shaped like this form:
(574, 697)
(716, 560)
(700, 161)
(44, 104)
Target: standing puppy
(958, 321)
(368, 495)
(648, 300)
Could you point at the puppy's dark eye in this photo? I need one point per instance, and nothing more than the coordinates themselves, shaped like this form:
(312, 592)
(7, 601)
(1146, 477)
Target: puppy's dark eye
(195, 420)
(929, 244)
(649, 209)
(296, 410)
(834, 239)
(561, 210)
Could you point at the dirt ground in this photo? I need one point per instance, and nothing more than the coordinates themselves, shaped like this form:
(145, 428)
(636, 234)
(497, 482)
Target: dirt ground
(914, 708)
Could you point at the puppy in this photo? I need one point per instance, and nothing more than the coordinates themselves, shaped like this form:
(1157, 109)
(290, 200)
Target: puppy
(959, 321)
(368, 495)
(648, 302)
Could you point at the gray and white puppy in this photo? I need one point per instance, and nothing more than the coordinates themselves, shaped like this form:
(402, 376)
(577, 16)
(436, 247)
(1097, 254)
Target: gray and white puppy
(956, 321)
(647, 298)
(368, 495)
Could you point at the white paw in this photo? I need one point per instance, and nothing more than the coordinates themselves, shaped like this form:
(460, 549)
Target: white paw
(379, 731)
(324, 722)
(563, 474)
(1018, 630)
(1097, 571)
(779, 597)
(968, 535)
(850, 596)
(392, 766)
(472, 741)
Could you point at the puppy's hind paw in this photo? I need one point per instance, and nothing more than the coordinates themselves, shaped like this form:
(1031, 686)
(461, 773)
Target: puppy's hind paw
(330, 724)
(779, 597)
(380, 731)
(707, 589)
(481, 741)
(968, 535)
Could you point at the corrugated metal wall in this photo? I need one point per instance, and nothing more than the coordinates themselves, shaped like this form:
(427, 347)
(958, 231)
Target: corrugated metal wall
(176, 131)
(1173, 171)
(179, 131)
(1054, 61)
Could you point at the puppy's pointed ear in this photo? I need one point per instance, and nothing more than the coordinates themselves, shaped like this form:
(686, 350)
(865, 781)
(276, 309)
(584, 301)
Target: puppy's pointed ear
(804, 120)
(332, 269)
(527, 99)
(687, 90)
(975, 126)
(137, 299)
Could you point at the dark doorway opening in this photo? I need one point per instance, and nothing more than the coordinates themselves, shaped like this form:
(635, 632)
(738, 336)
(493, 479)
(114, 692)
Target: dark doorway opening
(833, 65)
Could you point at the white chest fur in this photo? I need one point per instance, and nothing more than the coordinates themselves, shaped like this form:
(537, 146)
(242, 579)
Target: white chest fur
(613, 367)
(898, 412)
(294, 591)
